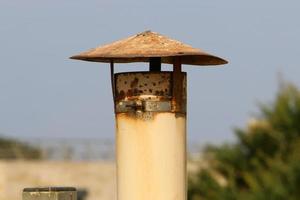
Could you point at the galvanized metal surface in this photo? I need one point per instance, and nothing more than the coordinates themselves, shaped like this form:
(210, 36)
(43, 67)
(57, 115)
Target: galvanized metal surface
(149, 92)
(143, 46)
(50, 193)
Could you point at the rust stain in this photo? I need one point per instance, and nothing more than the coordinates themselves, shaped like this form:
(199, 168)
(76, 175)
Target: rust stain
(134, 83)
(141, 83)
(152, 87)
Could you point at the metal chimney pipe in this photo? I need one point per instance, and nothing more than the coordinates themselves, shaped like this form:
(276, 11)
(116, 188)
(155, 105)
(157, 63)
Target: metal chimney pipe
(150, 110)
(151, 135)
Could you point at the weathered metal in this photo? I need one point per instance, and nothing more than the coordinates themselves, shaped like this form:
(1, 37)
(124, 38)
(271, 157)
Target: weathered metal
(146, 45)
(151, 156)
(179, 101)
(150, 92)
(50, 193)
(151, 134)
(150, 110)
(150, 137)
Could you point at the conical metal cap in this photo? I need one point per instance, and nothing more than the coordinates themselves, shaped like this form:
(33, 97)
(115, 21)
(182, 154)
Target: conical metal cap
(145, 45)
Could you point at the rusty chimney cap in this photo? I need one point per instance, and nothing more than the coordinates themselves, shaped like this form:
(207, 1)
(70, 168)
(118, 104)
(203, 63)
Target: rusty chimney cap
(148, 44)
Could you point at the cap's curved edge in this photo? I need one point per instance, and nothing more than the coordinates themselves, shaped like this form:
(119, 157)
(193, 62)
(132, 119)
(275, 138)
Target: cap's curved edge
(193, 59)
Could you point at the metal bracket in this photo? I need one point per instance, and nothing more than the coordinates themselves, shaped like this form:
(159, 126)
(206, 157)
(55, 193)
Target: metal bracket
(143, 106)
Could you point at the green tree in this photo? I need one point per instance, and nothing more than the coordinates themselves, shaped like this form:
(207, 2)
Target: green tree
(264, 163)
(13, 149)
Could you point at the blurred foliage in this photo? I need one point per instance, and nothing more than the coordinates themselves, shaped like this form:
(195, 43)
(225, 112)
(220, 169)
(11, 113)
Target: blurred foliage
(13, 149)
(264, 163)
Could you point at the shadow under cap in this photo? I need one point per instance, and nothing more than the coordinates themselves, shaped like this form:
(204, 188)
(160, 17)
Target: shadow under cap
(143, 46)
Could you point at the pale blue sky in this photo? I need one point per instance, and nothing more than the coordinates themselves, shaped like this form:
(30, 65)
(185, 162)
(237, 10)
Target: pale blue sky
(44, 94)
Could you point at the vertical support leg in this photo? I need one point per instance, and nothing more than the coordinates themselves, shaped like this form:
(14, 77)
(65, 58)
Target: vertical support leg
(155, 64)
(112, 79)
(177, 85)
